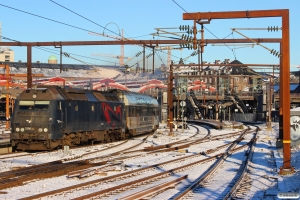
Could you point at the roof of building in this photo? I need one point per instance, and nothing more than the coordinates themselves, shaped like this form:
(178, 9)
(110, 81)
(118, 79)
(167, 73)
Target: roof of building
(52, 57)
(293, 87)
(56, 66)
(241, 70)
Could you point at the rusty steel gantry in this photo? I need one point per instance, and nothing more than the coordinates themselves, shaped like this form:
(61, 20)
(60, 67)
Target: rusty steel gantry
(284, 111)
(284, 60)
(148, 43)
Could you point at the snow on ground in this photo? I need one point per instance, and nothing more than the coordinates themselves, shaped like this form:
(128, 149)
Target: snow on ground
(263, 170)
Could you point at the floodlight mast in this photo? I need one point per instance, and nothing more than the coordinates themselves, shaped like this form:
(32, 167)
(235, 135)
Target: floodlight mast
(284, 111)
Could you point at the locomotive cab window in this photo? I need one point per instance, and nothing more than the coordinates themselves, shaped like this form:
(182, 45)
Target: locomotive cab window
(41, 105)
(34, 105)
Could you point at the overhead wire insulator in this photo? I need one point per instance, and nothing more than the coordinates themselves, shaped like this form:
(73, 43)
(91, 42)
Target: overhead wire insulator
(275, 53)
(274, 28)
(180, 27)
(139, 53)
(187, 38)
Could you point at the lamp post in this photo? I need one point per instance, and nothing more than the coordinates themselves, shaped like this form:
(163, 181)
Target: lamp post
(220, 109)
(205, 93)
(223, 111)
(174, 106)
(234, 119)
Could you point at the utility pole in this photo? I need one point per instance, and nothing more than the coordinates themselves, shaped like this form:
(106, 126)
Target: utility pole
(170, 100)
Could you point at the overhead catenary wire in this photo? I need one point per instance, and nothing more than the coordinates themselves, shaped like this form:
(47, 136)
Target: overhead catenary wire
(83, 17)
(271, 50)
(53, 51)
(88, 20)
(49, 20)
(233, 50)
(98, 24)
(57, 21)
(203, 25)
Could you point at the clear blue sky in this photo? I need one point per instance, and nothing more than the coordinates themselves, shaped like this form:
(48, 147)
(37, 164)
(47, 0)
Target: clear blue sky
(138, 19)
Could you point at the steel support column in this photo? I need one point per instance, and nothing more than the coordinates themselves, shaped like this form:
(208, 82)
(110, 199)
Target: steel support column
(285, 92)
(29, 62)
(144, 58)
(170, 100)
(153, 52)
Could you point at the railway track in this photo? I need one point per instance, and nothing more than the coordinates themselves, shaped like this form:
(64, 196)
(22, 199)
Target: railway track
(57, 168)
(115, 166)
(110, 145)
(127, 176)
(206, 179)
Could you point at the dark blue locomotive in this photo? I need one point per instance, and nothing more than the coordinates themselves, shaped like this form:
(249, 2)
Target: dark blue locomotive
(50, 116)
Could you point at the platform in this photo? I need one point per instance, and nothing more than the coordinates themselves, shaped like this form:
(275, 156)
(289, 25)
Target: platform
(217, 124)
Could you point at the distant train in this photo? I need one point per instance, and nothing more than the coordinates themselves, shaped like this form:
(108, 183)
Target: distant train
(48, 117)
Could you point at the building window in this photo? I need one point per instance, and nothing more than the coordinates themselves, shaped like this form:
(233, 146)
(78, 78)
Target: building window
(76, 107)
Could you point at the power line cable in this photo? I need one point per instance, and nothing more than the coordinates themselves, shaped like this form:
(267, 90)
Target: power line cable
(81, 56)
(92, 21)
(195, 19)
(48, 19)
(52, 51)
(53, 20)
(83, 17)
(233, 50)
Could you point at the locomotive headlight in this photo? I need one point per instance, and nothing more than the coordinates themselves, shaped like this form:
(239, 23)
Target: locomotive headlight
(45, 130)
(17, 129)
(40, 129)
(22, 129)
